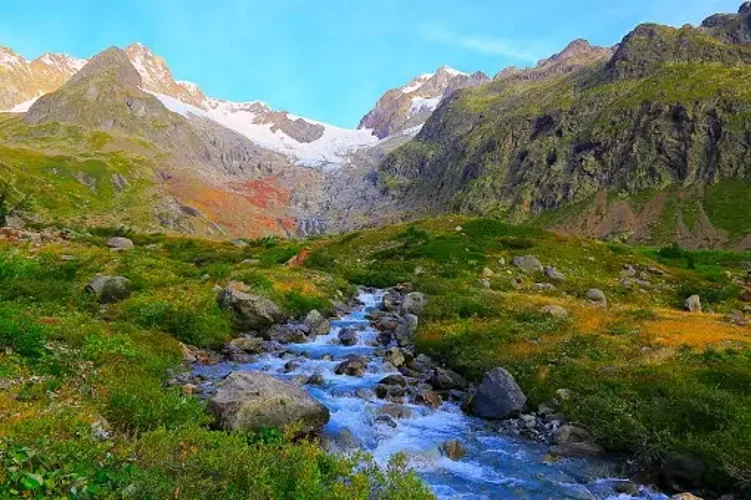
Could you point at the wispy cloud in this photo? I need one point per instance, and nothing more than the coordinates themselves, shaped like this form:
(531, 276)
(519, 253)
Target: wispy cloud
(438, 33)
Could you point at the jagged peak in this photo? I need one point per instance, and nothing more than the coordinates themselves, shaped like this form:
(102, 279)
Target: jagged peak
(451, 71)
(112, 60)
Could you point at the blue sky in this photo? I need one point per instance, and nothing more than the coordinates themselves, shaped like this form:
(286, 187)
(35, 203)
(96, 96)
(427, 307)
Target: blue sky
(330, 59)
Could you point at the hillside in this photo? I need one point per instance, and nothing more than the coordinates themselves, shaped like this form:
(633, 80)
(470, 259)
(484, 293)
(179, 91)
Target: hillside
(102, 397)
(651, 144)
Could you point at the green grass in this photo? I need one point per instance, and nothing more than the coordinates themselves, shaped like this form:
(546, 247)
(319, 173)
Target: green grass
(633, 404)
(76, 364)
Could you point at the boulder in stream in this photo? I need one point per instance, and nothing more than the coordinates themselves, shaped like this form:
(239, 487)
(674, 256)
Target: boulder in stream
(355, 366)
(317, 324)
(250, 401)
(498, 397)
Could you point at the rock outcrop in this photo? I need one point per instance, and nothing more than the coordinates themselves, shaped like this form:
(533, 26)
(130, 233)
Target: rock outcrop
(249, 401)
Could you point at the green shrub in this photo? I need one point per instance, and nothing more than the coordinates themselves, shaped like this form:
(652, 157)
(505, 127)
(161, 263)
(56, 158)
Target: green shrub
(193, 320)
(137, 405)
(298, 304)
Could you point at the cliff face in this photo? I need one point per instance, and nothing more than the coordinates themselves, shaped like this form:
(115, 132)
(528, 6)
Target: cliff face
(669, 113)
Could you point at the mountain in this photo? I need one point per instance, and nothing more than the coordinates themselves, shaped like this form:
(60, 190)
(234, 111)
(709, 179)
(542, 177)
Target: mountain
(24, 81)
(649, 142)
(408, 107)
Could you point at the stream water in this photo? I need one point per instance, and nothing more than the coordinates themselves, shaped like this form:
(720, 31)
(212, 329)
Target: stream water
(495, 466)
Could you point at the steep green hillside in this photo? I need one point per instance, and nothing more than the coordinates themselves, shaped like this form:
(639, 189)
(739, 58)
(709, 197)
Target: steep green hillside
(670, 110)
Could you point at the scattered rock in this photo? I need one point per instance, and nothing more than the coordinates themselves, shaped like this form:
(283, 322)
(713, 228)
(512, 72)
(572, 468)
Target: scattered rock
(108, 289)
(597, 296)
(544, 287)
(693, 304)
(188, 355)
(446, 380)
(345, 441)
(528, 264)
(119, 244)
(656, 271)
(453, 449)
(249, 312)
(317, 324)
(553, 274)
(190, 389)
(555, 311)
(575, 441)
(354, 367)
(348, 336)
(316, 379)
(395, 357)
(254, 401)
(498, 396)
(250, 345)
(287, 334)
(487, 273)
(414, 303)
(397, 412)
(394, 380)
(391, 392)
(385, 419)
(405, 329)
(501, 261)
(429, 398)
(365, 394)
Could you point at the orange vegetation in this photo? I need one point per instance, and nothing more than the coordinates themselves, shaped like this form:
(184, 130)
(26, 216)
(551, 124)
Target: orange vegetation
(675, 328)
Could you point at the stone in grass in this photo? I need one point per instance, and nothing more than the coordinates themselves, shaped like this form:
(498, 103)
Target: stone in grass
(249, 312)
(555, 311)
(109, 289)
(119, 244)
(597, 296)
(693, 304)
(527, 264)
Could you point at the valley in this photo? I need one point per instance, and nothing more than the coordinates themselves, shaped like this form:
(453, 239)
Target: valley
(531, 285)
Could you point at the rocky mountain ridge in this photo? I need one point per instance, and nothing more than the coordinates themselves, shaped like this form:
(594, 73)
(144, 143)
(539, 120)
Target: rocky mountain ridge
(649, 142)
(409, 106)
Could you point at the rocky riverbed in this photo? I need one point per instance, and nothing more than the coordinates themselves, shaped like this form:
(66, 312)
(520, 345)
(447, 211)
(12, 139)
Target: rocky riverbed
(357, 381)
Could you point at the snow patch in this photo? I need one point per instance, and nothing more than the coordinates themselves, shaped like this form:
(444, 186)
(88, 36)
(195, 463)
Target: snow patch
(416, 83)
(454, 72)
(179, 107)
(24, 106)
(328, 152)
(422, 104)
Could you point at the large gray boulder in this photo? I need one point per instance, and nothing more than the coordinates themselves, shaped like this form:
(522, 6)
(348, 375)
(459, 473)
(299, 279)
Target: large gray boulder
(119, 243)
(498, 397)
(414, 303)
(527, 264)
(108, 289)
(251, 401)
(317, 324)
(249, 312)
